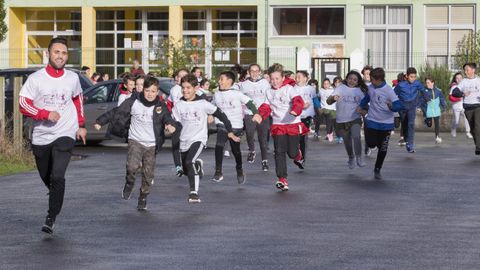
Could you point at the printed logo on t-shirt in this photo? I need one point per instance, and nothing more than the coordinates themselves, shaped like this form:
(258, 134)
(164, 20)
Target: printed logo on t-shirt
(190, 117)
(351, 99)
(57, 101)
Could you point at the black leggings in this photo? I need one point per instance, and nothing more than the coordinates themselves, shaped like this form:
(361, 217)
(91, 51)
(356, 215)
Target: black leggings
(52, 162)
(222, 137)
(379, 139)
(176, 147)
(262, 133)
(436, 121)
(303, 138)
(284, 144)
(189, 158)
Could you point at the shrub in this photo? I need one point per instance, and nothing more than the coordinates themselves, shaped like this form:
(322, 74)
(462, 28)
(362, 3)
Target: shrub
(440, 73)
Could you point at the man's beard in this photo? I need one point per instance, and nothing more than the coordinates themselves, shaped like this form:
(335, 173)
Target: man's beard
(54, 65)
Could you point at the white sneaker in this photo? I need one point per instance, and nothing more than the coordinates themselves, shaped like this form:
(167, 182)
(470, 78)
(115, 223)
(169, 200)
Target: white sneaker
(438, 140)
(454, 133)
(227, 154)
(469, 135)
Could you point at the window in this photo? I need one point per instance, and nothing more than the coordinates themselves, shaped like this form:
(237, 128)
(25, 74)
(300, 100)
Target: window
(387, 36)
(194, 20)
(43, 25)
(99, 94)
(446, 26)
(308, 21)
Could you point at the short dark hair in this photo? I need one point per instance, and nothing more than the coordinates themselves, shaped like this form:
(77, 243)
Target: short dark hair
(303, 72)
(203, 82)
(430, 78)
(84, 68)
(365, 68)
(189, 78)
(149, 81)
(378, 74)
(229, 75)
(411, 70)
(141, 76)
(175, 74)
(128, 77)
(471, 65)
(57, 40)
(195, 69)
(287, 72)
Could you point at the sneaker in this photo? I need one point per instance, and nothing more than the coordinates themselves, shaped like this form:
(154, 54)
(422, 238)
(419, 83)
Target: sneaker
(226, 153)
(453, 132)
(351, 163)
(360, 162)
(142, 202)
(368, 151)
(127, 191)
(402, 142)
(330, 137)
(477, 152)
(251, 157)
(241, 176)
(264, 166)
(199, 167)
(340, 140)
(469, 135)
(316, 136)
(193, 197)
(438, 140)
(49, 225)
(282, 184)
(179, 171)
(300, 163)
(410, 149)
(392, 132)
(376, 174)
(218, 176)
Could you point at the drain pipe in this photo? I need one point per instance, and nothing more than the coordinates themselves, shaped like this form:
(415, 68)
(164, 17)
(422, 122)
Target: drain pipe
(267, 52)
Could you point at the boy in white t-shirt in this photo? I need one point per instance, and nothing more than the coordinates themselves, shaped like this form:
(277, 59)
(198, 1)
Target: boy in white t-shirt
(141, 120)
(191, 113)
(129, 86)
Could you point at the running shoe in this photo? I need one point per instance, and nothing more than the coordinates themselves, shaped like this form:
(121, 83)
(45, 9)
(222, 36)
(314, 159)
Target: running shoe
(218, 176)
(282, 184)
(264, 166)
(49, 225)
(251, 157)
(193, 197)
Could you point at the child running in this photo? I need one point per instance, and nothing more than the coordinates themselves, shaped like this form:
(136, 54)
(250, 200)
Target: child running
(457, 108)
(129, 85)
(231, 102)
(433, 108)
(349, 121)
(191, 113)
(285, 105)
(469, 90)
(380, 101)
(142, 120)
(308, 93)
(327, 111)
(255, 87)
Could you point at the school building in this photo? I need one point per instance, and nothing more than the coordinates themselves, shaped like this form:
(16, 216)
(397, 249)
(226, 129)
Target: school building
(325, 35)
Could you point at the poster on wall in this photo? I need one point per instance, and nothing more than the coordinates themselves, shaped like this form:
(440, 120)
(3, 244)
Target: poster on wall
(334, 50)
(127, 43)
(137, 44)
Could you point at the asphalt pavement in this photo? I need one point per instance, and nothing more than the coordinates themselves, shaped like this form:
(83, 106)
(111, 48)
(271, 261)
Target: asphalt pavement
(424, 214)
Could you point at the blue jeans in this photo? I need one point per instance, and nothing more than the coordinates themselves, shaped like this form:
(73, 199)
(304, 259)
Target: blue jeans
(408, 122)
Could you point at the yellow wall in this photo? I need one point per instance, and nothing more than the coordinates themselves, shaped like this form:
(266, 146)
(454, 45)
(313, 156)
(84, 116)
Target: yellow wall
(175, 22)
(16, 36)
(89, 20)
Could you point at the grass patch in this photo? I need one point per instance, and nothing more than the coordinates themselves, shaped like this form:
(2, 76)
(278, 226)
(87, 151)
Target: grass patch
(15, 158)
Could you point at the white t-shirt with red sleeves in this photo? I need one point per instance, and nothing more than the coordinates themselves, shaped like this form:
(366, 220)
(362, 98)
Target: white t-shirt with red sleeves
(347, 103)
(280, 101)
(231, 102)
(53, 94)
(193, 117)
(256, 90)
(307, 93)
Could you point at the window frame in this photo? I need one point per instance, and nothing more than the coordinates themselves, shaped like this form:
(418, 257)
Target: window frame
(387, 27)
(272, 25)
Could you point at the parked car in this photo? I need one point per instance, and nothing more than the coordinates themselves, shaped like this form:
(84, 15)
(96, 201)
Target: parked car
(9, 75)
(103, 97)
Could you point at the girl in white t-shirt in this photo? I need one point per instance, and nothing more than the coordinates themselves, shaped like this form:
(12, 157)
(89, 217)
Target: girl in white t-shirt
(348, 121)
(457, 107)
(327, 111)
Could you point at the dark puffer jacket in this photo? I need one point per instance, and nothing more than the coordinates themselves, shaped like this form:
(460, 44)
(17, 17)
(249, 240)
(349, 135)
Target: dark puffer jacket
(119, 120)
